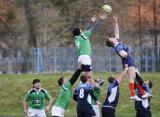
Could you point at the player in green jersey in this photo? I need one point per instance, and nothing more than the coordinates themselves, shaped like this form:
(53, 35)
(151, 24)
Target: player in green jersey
(34, 101)
(65, 94)
(83, 44)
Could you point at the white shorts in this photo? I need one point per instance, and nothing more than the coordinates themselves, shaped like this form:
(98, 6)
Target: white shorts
(96, 110)
(36, 112)
(84, 59)
(57, 111)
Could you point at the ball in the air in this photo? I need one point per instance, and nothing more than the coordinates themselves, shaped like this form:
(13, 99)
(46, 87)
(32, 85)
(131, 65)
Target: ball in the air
(107, 8)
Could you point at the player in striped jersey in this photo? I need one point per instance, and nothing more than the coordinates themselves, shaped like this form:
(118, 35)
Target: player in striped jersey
(36, 101)
(143, 107)
(112, 94)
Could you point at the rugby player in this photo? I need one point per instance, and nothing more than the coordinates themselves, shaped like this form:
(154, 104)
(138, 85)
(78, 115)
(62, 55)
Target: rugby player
(84, 89)
(33, 103)
(127, 58)
(65, 94)
(112, 94)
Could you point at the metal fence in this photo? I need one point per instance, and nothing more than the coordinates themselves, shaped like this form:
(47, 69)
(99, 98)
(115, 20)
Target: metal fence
(65, 60)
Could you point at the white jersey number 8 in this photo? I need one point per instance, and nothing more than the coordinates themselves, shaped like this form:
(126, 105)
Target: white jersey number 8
(81, 94)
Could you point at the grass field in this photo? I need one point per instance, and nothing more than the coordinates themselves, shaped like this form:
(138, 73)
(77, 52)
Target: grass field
(13, 88)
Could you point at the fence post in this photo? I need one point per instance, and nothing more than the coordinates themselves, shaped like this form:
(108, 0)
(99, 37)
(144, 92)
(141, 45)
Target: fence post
(38, 60)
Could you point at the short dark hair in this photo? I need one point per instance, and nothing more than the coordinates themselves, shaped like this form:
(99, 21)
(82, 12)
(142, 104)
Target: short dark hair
(111, 79)
(60, 81)
(76, 31)
(35, 81)
(150, 84)
(84, 78)
(109, 43)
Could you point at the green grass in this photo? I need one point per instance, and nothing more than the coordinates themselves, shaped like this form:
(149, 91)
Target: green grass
(13, 88)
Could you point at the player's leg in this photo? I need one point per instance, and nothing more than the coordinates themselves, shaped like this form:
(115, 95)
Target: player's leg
(139, 85)
(41, 113)
(31, 112)
(96, 110)
(80, 112)
(89, 111)
(57, 111)
(131, 74)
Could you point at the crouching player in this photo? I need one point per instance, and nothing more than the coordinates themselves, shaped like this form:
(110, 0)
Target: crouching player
(112, 94)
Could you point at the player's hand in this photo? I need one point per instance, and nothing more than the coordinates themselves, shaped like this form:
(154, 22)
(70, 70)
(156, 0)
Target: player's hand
(94, 18)
(98, 103)
(25, 111)
(103, 16)
(126, 67)
(115, 19)
(47, 109)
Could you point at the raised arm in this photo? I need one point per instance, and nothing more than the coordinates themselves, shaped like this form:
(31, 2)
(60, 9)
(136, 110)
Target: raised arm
(123, 74)
(75, 76)
(116, 27)
(95, 23)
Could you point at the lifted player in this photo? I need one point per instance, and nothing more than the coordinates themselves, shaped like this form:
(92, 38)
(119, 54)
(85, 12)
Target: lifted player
(83, 44)
(123, 51)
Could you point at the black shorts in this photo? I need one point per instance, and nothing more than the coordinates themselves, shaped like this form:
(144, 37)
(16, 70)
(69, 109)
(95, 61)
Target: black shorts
(86, 68)
(143, 114)
(85, 111)
(108, 112)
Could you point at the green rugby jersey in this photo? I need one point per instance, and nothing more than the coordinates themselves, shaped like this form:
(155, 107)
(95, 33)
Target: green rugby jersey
(83, 44)
(65, 95)
(97, 93)
(36, 99)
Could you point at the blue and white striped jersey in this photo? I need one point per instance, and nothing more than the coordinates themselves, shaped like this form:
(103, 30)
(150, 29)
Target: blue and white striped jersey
(112, 95)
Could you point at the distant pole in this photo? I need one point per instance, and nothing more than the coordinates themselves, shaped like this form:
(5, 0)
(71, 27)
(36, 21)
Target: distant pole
(155, 34)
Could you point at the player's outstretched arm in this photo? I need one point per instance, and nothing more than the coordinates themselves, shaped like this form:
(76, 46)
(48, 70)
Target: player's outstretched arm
(123, 74)
(75, 76)
(91, 80)
(95, 23)
(75, 95)
(116, 27)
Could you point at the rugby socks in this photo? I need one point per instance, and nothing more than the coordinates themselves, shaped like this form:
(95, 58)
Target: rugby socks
(131, 86)
(140, 89)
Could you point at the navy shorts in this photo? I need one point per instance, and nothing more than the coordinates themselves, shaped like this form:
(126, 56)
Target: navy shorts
(85, 111)
(143, 114)
(129, 61)
(108, 112)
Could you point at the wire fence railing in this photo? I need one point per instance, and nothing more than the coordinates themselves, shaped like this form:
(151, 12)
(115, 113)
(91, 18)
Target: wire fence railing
(64, 59)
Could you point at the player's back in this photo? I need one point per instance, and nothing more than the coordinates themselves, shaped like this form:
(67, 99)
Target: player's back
(112, 96)
(83, 44)
(83, 91)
